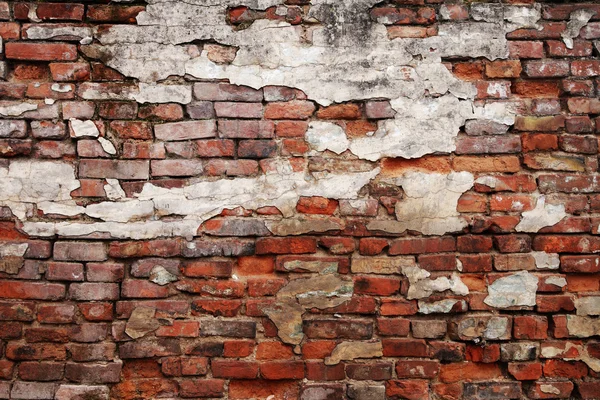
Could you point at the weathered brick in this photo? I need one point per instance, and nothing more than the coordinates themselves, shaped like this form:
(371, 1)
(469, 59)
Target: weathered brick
(40, 51)
(80, 251)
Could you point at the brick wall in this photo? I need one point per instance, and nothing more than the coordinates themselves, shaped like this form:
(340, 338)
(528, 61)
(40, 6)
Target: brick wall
(299, 200)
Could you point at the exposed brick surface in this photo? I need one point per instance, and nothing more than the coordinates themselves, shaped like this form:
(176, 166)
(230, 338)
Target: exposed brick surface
(305, 201)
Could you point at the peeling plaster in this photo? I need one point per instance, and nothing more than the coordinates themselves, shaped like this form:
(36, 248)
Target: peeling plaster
(323, 136)
(429, 205)
(515, 290)
(84, 128)
(578, 19)
(10, 109)
(581, 351)
(322, 291)
(541, 216)
(441, 306)
(545, 260)
(421, 287)
(328, 62)
(48, 185)
(353, 350)
(589, 305)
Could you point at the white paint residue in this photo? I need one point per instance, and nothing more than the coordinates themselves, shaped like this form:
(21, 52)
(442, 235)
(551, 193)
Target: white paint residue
(541, 216)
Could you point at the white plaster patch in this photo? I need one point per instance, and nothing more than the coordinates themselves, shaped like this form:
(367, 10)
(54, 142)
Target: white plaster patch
(421, 287)
(570, 348)
(548, 388)
(545, 260)
(61, 88)
(323, 136)
(353, 350)
(577, 20)
(107, 146)
(163, 93)
(161, 276)
(558, 281)
(347, 58)
(441, 306)
(85, 128)
(430, 202)
(11, 249)
(275, 53)
(48, 185)
(541, 216)
(36, 182)
(515, 290)
(420, 126)
(113, 189)
(16, 109)
(299, 226)
(589, 305)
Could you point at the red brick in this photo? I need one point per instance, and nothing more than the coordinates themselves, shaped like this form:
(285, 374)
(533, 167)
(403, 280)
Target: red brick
(585, 68)
(422, 245)
(513, 243)
(417, 369)
(295, 109)
(299, 245)
(31, 290)
(578, 87)
(404, 348)
(537, 88)
(238, 110)
(63, 271)
(231, 167)
(554, 303)
(143, 289)
(245, 389)
(35, 351)
(40, 51)
(525, 371)
(273, 351)
(468, 371)
(316, 205)
(487, 164)
(488, 353)
(580, 48)
(338, 329)
(317, 349)
(552, 390)
(565, 369)
(530, 327)
(376, 286)
(56, 313)
(526, 49)
(94, 291)
(179, 329)
(340, 111)
(452, 391)
(164, 112)
(276, 370)
(60, 11)
(474, 244)
(372, 246)
(395, 32)
(407, 389)
(96, 311)
(589, 390)
(9, 30)
(202, 388)
(550, 30)
(80, 251)
(503, 69)
(113, 13)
